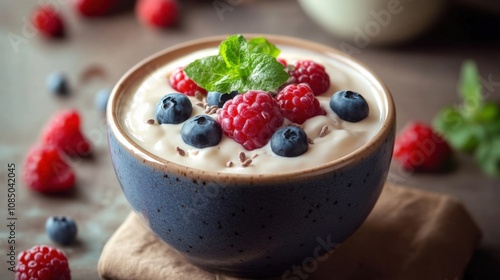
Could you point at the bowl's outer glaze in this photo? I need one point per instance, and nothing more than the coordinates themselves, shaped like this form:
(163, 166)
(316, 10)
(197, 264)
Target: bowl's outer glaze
(250, 225)
(248, 229)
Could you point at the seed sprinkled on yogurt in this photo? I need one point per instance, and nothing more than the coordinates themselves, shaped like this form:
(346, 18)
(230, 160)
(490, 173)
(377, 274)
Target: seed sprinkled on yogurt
(242, 157)
(324, 131)
(201, 104)
(198, 95)
(211, 109)
(247, 162)
(180, 151)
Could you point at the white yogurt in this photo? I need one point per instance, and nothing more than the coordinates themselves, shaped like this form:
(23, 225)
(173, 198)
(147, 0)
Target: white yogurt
(163, 140)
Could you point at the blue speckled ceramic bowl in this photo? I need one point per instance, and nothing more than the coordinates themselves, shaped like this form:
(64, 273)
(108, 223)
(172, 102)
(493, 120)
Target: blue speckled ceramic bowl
(250, 225)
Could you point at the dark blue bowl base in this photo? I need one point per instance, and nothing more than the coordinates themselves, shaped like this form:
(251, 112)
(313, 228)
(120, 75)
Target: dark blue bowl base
(246, 229)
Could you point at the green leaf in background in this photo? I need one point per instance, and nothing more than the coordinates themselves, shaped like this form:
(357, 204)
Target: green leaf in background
(475, 125)
(262, 45)
(488, 157)
(237, 68)
(470, 89)
(490, 112)
(456, 129)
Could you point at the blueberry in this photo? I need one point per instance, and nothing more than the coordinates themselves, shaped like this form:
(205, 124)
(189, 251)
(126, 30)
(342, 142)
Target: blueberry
(201, 131)
(61, 230)
(349, 105)
(289, 141)
(217, 98)
(173, 108)
(57, 83)
(101, 99)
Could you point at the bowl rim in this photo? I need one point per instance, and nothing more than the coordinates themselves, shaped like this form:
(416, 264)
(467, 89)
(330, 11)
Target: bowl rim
(115, 127)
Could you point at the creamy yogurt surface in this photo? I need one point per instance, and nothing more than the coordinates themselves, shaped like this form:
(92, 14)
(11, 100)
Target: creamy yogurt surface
(341, 139)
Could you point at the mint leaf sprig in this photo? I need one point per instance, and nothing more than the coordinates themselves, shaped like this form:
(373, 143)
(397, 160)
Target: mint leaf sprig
(262, 45)
(241, 66)
(474, 125)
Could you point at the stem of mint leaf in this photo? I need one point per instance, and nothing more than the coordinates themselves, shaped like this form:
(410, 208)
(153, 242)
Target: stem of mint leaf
(470, 89)
(240, 66)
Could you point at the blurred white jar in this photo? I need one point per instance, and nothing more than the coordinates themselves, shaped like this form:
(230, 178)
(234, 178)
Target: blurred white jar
(374, 22)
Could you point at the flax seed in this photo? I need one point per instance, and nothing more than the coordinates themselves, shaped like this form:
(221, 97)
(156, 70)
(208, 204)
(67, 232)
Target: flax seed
(180, 151)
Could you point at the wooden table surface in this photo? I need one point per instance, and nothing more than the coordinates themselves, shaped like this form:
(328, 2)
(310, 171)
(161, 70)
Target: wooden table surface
(422, 76)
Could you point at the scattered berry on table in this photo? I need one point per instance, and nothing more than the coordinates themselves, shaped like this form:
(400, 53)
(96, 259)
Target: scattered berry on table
(101, 99)
(48, 21)
(42, 263)
(218, 99)
(298, 103)
(57, 83)
(61, 229)
(201, 131)
(46, 171)
(157, 13)
(349, 106)
(251, 118)
(63, 131)
(289, 141)
(173, 108)
(95, 8)
(419, 148)
(182, 83)
(313, 74)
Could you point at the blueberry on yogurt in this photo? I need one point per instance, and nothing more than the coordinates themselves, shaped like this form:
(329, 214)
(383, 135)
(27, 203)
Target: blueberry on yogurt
(289, 141)
(173, 108)
(217, 98)
(201, 131)
(349, 105)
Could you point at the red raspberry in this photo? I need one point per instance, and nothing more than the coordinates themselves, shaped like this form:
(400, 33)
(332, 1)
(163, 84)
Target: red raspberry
(46, 171)
(182, 83)
(48, 22)
(157, 13)
(251, 118)
(63, 131)
(42, 263)
(95, 8)
(419, 148)
(282, 61)
(313, 74)
(298, 103)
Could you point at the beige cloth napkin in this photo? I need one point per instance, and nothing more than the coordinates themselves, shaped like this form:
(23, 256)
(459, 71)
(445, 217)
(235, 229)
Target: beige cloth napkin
(410, 234)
